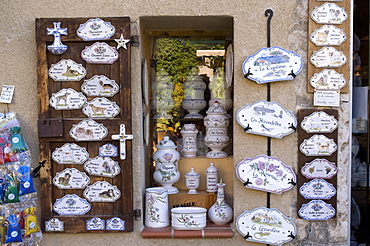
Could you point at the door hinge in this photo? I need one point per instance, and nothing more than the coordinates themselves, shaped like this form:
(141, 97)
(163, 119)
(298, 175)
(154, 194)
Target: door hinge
(137, 214)
(135, 40)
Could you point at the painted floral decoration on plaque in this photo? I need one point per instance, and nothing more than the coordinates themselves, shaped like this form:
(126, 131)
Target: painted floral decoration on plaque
(95, 223)
(317, 189)
(328, 35)
(71, 204)
(108, 150)
(67, 99)
(67, 70)
(70, 153)
(328, 79)
(272, 64)
(318, 145)
(319, 122)
(316, 210)
(116, 224)
(101, 107)
(266, 225)
(266, 173)
(100, 85)
(320, 169)
(71, 178)
(88, 130)
(328, 57)
(101, 53)
(102, 191)
(96, 29)
(102, 166)
(329, 13)
(266, 118)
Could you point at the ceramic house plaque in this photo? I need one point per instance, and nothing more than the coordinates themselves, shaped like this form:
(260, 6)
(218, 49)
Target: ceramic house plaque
(95, 223)
(266, 225)
(319, 122)
(71, 204)
(328, 35)
(96, 29)
(328, 57)
(316, 210)
(100, 107)
(101, 53)
(88, 130)
(102, 166)
(319, 169)
(71, 178)
(317, 189)
(54, 224)
(108, 150)
(70, 153)
(266, 173)
(100, 85)
(67, 99)
(272, 64)
(266, 118)
(116, 224)
(328, 79)
(318, 145)
(102, 191)
(67, 70)
(329, 13)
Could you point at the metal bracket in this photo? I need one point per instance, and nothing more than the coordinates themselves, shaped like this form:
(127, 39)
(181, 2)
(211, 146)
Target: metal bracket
(134, 40)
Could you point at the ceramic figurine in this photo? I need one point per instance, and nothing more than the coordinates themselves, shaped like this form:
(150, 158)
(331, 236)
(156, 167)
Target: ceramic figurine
(212, 178)
(193, 100)
(157, 213)
(220, 213)
(192, 181)
(189, 140)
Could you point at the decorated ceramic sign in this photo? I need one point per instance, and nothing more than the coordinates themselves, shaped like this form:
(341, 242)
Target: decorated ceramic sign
(266, 118)
(319, 122)
(54, 224)
(102, 191)
(96, 29)
(67, 70)
(328, 57)
(95, 223)
(116, 224)
(71, 204)
(266, 173)
(316, 210)
(319, 168)
(88, 130)
(328, 35)
(57, 48)
(66, 99)
(317, 189)
(318, 145)
(108, 150)
(100, 52)
(272, 64)
(71, 178)
(102, 166)
(70, 153)
(329, 13)
(100, 107)
(100, 85)
(266, 225)
(328, 79)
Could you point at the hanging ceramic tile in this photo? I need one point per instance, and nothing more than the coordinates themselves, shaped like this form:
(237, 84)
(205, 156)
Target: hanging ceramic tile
(96, 29)
(328, 79)
(100, 107)
(320, 169)
(316, 210)
(100, 53)
(329, 13)
(317, 189)
(102, 191)
(108, 150)
(71, 204)
(318, 145)
(57, 48)
(67, 70)
(95, 223)
(100, 85)
(319, 122)
(121, 42)
(328, 57)
(102, 166)
(71, 178)
(326, 98)
(70, 153)
(54, 224)
(88, 130)
(116, 224)
(328, 35)
(67, 99)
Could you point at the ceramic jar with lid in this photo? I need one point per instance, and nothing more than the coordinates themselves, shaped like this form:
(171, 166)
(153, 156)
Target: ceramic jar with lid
(189, 134)
(193, 100)
(192, 181)
(212, 178)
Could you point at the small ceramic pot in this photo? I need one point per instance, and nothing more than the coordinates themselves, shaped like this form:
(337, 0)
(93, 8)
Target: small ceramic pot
(157, 213)
(192, 181)
(189, 134)
(189, 218)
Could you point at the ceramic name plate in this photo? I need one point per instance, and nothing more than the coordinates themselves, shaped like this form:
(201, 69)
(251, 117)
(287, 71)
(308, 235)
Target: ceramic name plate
(116, 224)
(266, 173)
(95, 223)
(102, 191)
(96, 29)
(88, 130)
(316, 210)
(101, 107)
(328, 79)
(329, 13)
(266, 225)
(102, 166)
(70, 153)
(328, 57)
(317, 189)
(319, 169)
(100, 53)
(319, 122)
(54, 224)
(100, 85)
(71, 178)
(67, 70)
(272, 64)
(318, 145)
(266, 118)
(67, 99)
(108, 150)
(71, 204)
(328, 35)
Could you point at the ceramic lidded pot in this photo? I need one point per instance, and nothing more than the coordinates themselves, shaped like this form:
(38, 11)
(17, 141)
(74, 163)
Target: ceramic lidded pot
(212, 178)
(192, 181)
(157, 212)
(193, 100)
(220, 213)
(166, 171)
(189, 134)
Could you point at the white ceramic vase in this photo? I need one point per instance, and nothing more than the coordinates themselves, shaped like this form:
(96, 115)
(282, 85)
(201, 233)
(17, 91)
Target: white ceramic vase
(193, 100)
(157, 212)
(220, 213)
(189, 134)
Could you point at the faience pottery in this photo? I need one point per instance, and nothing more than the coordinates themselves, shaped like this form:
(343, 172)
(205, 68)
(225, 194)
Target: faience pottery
(220, 213)
(188, 218)
(189, 140)
(193, 100)
(212, 178)
(192, 181)
(156, 214)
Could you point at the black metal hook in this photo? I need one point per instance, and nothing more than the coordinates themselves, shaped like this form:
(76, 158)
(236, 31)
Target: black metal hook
(292, 74)
(291, 235)
(247, 236)
(248, 73)
(246, 183)
(269, 13)
(247, 128)
(292, 182)
(36, 172)
(292, 127)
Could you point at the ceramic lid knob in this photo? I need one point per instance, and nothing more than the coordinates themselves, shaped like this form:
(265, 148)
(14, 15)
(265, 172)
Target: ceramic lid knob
(212, 168)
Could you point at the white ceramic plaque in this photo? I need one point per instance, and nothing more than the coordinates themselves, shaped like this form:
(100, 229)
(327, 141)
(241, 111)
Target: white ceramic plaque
(319, 169)
(96, 29)
(326, 98)
(328, 35)
(318, 145)
(67, 70)
(101, 107)
(328, 57)
(328, 79)
(319, 122)
(317, 189)
(100, 52)
(108, 150)
(70, 153)
(102, 166)
(316, 210)
(272, 64)
(100, 85)
(329, 13)
(88, 130)
(95, 223)
(266, 225)
(266, 118)
(71, 178)
(266, 173)
(67, 99)
(116, 224)
(102, 191)
(71, 204)
(54, 224)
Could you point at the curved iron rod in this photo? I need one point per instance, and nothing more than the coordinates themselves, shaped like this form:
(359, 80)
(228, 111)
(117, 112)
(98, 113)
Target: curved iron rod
(269, 13)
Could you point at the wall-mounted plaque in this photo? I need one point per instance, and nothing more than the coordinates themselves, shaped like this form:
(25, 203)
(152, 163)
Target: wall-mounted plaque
(317, 189)
(328, 57)
(102, 166)
(96, 29)
(101, 53)
(95, 223)
(329, 13)
(101, 107)
(328, 35)
(266, 225)
(266, 118)
(272, 64)
(102, 191)
(67, 99)
(100, 85)
(88, 130)
(319, 169)
(319, 122)
(318, 145)
(70, 153)
(71, 178)
(266, 173)
(116, 224)
(316, 210)
(328, 79)
(108, 150)
(71, 204)
(67, 70)
(54, 224)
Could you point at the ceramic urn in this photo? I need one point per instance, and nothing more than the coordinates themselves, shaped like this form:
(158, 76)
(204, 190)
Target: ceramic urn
(193, 100)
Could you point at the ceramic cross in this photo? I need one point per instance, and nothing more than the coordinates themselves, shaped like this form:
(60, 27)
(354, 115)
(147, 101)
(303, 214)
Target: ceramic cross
(122, 137)
(57, 47)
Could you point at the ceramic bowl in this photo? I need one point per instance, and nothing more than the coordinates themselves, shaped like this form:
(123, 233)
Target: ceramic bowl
(189, 218)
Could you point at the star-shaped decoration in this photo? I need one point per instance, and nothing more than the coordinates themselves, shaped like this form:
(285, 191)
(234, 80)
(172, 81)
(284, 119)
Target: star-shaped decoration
(122, 42)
